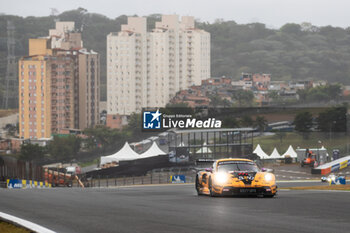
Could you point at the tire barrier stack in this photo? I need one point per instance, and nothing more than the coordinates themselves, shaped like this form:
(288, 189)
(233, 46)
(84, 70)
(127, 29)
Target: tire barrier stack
(333, 166)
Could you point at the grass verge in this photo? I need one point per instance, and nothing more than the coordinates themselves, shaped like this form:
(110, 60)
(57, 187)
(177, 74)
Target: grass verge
(6, 227)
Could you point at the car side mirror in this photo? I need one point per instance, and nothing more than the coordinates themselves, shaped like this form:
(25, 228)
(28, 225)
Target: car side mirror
(264, 169)
(209, 169)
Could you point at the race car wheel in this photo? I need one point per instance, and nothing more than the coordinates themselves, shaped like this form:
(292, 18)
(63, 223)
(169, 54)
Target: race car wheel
(198, 186)
(269, 196)
(212, 192)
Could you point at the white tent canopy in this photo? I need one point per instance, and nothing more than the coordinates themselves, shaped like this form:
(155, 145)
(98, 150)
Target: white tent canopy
(259, 152)
(182, 144)
(204, 149)
(125, 153)
(154, 150)
(290, 152)
(275, 154)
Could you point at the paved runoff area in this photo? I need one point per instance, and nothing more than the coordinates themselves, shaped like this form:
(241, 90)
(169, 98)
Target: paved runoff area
(177, 208)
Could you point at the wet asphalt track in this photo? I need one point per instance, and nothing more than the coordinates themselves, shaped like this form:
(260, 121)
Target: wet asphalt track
(177, 208)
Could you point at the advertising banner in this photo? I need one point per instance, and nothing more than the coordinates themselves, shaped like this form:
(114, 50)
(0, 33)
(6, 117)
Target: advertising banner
(14, 184)
(178, 179)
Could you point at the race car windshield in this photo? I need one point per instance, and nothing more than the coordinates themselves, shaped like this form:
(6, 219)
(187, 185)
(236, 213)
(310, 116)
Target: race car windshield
(237, 167)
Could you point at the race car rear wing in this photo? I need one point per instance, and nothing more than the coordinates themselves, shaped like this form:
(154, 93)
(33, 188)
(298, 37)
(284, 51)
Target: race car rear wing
(202, 164)
(204, 161)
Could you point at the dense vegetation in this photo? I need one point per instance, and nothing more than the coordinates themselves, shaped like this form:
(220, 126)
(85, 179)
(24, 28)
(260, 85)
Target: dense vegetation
(291, 52)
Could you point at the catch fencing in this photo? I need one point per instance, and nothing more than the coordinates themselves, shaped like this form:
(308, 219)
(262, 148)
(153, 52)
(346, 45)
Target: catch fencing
(16, 169)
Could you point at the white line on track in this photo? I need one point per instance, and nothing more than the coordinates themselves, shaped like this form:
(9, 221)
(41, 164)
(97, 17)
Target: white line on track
(298, 181)
(313, 190)
(29, 225)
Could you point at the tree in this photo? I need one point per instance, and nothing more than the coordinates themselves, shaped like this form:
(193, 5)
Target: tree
(135, 124)
(333, 120)
(274, 95)
(215, 101)
(97, 135)
(32, 152)
(64, 148)
(308, 27)
(291, 28)
(260, 123)
(302, 94)
(177, 108)
(247, 121)
(244, 98)
(230, 122)
(101, 135)
(12, 129)
(303, 122)
(334, 91)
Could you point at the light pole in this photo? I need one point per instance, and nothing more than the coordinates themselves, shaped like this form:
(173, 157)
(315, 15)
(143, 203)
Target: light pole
(318, 152)
(330, 130)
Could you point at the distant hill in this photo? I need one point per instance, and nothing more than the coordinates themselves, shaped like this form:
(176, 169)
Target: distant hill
(291, 52)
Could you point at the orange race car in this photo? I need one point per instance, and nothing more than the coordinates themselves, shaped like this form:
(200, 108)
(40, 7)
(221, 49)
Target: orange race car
(235, 177)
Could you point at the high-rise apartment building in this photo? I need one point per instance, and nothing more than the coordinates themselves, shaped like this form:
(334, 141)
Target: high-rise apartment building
(146, 69)
(58, 84)
(89, 89)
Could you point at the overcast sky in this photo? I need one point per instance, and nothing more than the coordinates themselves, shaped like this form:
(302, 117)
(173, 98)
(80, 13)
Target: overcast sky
(273, 13)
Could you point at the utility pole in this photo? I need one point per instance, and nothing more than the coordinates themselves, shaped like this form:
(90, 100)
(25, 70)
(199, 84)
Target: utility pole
(10, 99)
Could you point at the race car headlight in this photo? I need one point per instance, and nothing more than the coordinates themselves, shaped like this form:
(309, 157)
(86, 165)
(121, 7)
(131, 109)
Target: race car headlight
(221, 178)
(268, 177)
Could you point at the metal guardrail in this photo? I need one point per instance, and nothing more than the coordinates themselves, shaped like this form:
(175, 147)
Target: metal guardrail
(152, 178)
(3, 184)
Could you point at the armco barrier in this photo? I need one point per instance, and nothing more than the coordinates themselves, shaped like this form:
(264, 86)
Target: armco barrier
(333, 166)
(23, 184)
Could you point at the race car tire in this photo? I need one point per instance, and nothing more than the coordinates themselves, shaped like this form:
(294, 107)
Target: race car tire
(211, 191)
(198, 186)
(269, 196)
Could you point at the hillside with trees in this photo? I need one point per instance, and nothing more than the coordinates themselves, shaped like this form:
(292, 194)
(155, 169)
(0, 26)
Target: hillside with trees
(290, 53)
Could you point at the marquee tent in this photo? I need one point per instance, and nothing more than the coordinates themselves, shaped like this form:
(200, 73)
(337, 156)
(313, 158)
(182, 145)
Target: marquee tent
(204, 149)
(290, 152)
(182, 144)
(275, 154)
(259, 152)
(125, 153)
(154, 150)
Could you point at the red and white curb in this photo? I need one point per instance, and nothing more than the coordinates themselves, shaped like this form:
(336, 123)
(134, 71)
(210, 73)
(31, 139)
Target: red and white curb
(24, 223)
